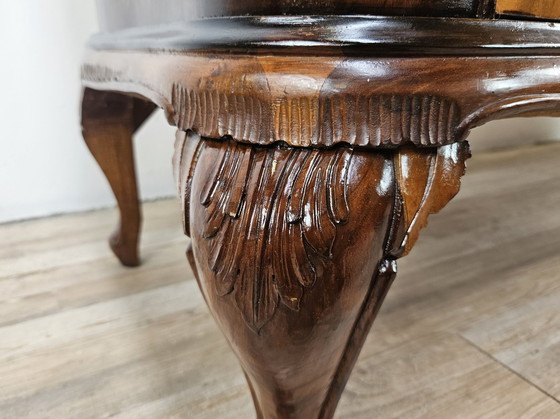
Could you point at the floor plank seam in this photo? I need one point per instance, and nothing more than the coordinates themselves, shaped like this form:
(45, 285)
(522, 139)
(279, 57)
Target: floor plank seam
(109, 256)
(508, 368)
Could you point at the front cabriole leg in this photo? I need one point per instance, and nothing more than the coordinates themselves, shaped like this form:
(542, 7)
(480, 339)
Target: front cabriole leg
(296, 248)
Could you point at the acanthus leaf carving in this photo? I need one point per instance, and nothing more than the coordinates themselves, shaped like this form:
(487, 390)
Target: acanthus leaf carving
(283, 205)
(427, 180)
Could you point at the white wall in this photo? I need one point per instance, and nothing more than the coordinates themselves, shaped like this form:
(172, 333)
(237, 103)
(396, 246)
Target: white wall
(44, 166)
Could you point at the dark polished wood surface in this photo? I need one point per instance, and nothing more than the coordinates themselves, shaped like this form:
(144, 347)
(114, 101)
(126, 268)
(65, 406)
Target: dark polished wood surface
(341, 35)
(109, 121)
(310, 152)
(119, 14)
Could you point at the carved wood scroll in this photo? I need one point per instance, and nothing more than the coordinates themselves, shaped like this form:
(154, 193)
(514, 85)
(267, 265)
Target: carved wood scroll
(294, 249)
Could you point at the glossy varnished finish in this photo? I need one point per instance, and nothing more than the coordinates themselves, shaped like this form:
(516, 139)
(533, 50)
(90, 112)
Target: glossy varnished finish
(360, 36)
(310, 152)
(291, 268)
(321, 101)
(119, 14)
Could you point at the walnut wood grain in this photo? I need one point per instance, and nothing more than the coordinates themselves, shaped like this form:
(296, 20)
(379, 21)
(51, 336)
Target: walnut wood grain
(326, 100)
(109, 121)
(295, 249)
(543, 9)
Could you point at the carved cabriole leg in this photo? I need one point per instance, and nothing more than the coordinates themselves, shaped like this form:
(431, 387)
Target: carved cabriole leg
(295, 250)
(109, 120)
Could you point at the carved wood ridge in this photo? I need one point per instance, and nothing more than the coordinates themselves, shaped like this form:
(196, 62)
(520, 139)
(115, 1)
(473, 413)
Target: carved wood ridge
(264, 100)
(374, 120)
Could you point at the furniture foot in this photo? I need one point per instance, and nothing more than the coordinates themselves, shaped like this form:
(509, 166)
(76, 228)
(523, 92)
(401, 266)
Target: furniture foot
(109, 120)
(295, 250)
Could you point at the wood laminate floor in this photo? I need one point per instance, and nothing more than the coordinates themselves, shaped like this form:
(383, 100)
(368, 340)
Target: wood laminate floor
(471, 328)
